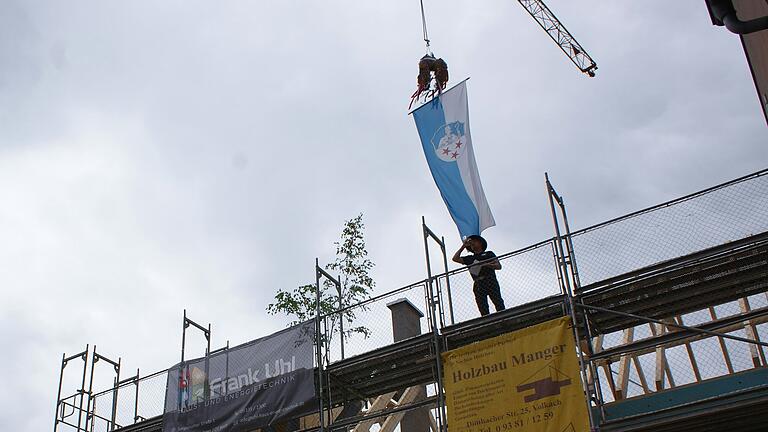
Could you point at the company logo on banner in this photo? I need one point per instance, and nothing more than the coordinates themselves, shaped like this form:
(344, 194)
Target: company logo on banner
(250, 386)
(522, 381)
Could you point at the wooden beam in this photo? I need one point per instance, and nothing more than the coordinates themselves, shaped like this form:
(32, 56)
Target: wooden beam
(623, 375)
(667, 369)
(757, 354)
(597, 346)
(691, 355)
(721, 341)
(432, 423)
(409, 395)
(640, 374)
(662, 365)
(609, 377)
(656, 330)
(379, 404)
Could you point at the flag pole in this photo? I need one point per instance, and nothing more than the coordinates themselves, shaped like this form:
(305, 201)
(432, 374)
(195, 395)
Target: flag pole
(435, 97)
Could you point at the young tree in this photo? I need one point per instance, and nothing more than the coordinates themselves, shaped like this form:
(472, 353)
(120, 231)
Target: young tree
(352, 265)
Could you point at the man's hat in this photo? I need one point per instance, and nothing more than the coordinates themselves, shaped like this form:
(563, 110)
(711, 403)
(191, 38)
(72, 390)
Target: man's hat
(483, 243)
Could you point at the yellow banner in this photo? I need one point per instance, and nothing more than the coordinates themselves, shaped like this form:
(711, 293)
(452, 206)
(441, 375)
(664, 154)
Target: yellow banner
(523, 381)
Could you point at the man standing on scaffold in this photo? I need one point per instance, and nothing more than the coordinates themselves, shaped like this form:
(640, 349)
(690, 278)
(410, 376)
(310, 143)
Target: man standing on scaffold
(483, 265)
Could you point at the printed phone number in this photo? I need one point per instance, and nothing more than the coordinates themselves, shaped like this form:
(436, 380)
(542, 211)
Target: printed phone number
(520, 422)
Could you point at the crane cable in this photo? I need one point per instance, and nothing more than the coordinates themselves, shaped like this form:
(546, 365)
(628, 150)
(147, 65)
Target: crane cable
(424, 26)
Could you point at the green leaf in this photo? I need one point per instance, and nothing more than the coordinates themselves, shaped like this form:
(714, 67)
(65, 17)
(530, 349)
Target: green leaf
(356, 285)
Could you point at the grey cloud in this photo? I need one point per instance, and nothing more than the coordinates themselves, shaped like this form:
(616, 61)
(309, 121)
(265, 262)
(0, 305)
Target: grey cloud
(200, 155)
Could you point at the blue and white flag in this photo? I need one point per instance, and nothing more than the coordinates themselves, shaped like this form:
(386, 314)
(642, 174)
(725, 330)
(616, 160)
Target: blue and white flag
(443, 125)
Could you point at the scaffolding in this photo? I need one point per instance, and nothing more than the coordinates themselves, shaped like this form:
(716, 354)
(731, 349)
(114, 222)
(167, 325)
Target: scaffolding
(666, 299)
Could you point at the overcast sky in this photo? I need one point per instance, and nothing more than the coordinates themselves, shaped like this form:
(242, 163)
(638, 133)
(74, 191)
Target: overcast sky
(156, 156)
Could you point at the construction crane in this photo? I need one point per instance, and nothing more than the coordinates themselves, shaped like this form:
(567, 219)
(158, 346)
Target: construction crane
(433, 72)
(562, 37)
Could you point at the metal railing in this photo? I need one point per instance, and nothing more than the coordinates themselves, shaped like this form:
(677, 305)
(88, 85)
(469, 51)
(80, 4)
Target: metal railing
(526, 275)
(136, 399)
(371, 325)
(727, 212)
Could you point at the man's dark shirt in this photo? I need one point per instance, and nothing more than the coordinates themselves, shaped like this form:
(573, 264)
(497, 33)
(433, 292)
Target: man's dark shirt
(477, 272)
